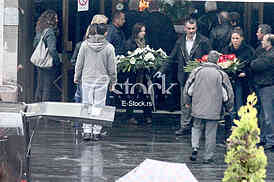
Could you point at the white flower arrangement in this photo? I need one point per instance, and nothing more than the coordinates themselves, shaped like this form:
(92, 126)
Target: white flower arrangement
(149, 56)
(141, 58)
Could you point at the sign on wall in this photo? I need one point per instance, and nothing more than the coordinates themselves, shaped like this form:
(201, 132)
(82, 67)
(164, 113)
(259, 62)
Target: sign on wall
(83, 5)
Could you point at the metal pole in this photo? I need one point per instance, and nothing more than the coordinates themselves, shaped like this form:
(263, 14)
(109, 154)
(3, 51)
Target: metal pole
(66, 47)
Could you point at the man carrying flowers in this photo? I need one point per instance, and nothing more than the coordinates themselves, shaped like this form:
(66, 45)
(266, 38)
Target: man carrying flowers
(206, 92)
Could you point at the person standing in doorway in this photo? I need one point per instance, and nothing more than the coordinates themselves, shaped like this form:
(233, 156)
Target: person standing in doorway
(245, 53)
(137, 40)
(97, 19)
(47, 24)
(96, 67)
(115, 34)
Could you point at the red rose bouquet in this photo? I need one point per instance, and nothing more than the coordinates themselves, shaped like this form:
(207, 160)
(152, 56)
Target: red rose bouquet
(229, 62)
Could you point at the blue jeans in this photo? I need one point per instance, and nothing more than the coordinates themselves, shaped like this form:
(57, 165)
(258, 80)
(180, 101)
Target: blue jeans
(45, 81)
(266, 117)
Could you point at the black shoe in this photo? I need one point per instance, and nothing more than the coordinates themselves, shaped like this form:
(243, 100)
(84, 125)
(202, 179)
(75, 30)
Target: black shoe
(194, 154)
(208, 161)
(183, 131)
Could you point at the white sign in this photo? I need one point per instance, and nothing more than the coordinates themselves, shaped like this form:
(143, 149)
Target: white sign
(83, 5)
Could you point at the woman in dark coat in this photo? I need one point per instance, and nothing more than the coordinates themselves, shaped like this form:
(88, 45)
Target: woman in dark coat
(137, 40)
(244, 52)
(47, 23)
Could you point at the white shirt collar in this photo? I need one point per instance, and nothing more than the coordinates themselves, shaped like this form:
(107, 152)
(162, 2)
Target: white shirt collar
(193, 39)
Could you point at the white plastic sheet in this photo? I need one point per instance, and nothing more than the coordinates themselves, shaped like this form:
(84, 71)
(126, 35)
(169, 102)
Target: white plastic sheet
(159, 171)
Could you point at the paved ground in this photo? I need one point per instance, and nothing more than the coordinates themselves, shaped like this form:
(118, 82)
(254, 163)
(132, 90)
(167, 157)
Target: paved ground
(57, 158)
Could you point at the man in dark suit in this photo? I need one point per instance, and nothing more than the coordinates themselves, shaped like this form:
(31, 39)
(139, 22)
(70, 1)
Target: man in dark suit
(189, 46)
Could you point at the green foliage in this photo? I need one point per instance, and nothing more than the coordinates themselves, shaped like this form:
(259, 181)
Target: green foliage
(176, 9)
(246, 162)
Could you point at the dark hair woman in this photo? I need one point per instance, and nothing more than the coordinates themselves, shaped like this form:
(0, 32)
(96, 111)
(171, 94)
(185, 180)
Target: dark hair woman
(137, 40)
(47, 24)
(244, 52)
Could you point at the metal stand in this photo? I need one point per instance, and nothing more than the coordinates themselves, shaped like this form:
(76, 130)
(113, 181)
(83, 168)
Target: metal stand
(69, 111)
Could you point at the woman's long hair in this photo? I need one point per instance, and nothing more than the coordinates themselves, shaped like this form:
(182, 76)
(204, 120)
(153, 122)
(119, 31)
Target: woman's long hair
(136, 29)
(47, 20)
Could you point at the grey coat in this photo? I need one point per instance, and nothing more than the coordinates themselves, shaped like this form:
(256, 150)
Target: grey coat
(96, 61)
(205, 90)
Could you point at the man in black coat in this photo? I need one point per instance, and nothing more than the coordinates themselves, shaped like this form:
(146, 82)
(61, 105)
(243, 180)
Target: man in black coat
(115, 35)
(263, 29)
(221, 34)
(190, 46)
(263, 69)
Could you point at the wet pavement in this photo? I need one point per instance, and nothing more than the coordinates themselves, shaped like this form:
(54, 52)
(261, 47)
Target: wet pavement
(59, 156)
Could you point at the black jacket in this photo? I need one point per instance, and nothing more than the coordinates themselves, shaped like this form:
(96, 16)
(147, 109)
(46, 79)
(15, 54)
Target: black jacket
(259, 50)
(75, 53)
(220, 36)
(244, 53)
(160, 32)
(131, 45)
(117, 38)
(263, 69)
(207, 22)
(179, 55)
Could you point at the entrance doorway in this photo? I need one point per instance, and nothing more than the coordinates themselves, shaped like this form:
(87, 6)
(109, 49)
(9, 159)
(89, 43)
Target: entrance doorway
(72, 26)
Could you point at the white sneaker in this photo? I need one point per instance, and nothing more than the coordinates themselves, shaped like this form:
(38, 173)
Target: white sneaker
(97, 129)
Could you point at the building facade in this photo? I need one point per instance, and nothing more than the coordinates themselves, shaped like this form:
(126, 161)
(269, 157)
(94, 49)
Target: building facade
(17, 22)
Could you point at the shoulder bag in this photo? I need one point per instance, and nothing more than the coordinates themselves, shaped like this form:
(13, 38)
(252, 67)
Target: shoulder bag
(40, 56)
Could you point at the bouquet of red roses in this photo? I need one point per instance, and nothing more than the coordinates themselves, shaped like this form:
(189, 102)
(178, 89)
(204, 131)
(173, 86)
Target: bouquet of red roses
(229, 62)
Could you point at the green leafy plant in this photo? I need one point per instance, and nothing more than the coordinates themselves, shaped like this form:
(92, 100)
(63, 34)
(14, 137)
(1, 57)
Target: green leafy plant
(246, 162)
(177, 10)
